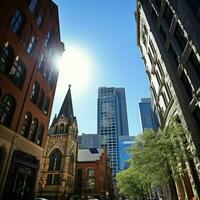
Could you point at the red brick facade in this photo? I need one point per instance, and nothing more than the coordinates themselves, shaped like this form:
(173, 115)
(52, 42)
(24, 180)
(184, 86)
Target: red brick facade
(29, 41)
(101, 187)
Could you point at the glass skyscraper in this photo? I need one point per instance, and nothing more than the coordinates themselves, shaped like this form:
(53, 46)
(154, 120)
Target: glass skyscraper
(112, 121)
(125, 142)
(148, 117)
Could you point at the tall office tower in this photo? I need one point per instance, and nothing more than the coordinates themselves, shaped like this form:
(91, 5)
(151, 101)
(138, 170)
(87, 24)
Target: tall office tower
(148, 117)
(169, 39)
(29, 39)
(86, 141)
(125, 142)
(112, 121)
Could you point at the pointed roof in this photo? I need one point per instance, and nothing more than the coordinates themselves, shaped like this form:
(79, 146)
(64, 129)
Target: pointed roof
(67, 107)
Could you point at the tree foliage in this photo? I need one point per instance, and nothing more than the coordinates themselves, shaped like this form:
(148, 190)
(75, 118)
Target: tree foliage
(156, 158)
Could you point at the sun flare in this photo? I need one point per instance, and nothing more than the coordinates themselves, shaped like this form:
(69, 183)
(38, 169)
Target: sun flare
(75, 68)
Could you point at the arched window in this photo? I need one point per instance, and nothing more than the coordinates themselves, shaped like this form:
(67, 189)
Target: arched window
(46, 105)
(61, 129)
(40, 134)
(17, 22)
(90, 178)
(26, 125)
(6, 58)
(70, 167)
(7, 109)
(55, 129)
(17, 73)
(55, 160)
(41, 63)
(48, 39)
(35, 92)
(41, 99)
(33, 130)
(66, 128)
(32, 5)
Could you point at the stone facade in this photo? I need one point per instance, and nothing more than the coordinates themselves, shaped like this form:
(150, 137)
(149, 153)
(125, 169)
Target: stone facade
(168, 38)
(58, 167)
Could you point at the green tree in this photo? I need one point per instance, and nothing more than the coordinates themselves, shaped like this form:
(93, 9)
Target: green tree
(156, 158)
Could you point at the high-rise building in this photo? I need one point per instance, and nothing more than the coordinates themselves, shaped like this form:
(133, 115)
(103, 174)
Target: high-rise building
(112, 121)
(29, 40)
(58, 168)
(148, 117)
(169, 39)
(86, 141)
(125, 142)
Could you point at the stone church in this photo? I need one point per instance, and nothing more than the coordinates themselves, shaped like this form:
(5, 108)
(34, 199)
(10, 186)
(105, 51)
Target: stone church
(58, 167)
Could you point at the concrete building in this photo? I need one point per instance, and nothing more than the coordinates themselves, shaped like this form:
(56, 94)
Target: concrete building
(58, 167)
(169, 39)
(147, 116)
(125, 142)
(29, 39)
(112, 121)
(94, 175)
(86, 141)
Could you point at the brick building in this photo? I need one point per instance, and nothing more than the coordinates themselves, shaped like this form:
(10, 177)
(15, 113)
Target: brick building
(29, 40)
(57, 172)
(94, 174)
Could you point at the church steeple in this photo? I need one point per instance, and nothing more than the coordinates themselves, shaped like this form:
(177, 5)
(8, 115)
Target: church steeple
(67, 107)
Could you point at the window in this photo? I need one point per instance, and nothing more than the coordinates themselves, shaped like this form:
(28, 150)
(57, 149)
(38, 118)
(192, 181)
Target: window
(180, 38)
(32, 5)
(194, 62)
(154, 16)
(17, 73)
(168, 15)
(47, 39)
(7, 108)
(157, 3)
(6, 58)
(196, 114)
(26, 125)
(41, 63)
(46, 105)
(55, 160)
(61, 129)
(40, 134)
(31, 45)
(187, 85)
(90, 178)
(39, 20)
(33, 130)
(174, 56)
(17, 22)
(35, 92)
(41, 99)
(163, 33)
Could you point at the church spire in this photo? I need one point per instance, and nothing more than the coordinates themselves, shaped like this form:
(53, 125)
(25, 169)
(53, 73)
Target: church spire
(67, 107)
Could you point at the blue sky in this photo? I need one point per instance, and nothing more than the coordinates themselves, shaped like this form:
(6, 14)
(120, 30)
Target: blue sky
(105, 30)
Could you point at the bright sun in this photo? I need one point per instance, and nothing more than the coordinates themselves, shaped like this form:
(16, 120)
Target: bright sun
(75, 69)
